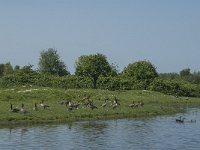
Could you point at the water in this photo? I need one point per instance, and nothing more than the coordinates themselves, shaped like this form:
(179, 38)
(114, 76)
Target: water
(158, 133)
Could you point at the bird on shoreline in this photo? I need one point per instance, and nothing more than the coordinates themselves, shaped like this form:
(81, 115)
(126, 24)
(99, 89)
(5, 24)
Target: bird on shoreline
(44, 105)
(92, 106)
(35, 107)
(104, 104)
(193, 121)
(23, 110)
(15, 110)
(132, 104)
(115, 103)
(72, 105)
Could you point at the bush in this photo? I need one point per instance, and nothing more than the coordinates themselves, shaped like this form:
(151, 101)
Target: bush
(108, 83)
(174, 87)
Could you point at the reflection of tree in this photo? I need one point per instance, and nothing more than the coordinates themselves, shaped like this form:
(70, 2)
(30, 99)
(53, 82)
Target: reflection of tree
(10, 133)
(92, 132)
(69, 124)
(23, 131)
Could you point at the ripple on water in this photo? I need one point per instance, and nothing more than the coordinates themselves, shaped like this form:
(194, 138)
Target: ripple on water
(158, 133)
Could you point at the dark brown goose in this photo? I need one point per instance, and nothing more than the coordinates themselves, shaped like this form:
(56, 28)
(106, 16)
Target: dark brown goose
(180, 120)
(15, 110)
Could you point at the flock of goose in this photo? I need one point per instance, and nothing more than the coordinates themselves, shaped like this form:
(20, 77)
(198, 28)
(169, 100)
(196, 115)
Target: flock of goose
(73, 106)
(87, 103)
(23, 110)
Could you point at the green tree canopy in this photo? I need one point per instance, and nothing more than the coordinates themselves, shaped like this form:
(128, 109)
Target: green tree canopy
(1, 69)
(185, 72)
(17, 67)
(8, 69)
(49, 62)
(25, 70)
(93, 66)
(141, 70)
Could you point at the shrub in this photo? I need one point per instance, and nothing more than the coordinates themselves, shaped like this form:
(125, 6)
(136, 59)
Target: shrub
(174, 87)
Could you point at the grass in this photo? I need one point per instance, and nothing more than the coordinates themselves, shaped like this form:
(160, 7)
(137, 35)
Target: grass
(154, 104)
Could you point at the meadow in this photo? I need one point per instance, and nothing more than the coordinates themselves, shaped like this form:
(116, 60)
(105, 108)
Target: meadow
(154, 103)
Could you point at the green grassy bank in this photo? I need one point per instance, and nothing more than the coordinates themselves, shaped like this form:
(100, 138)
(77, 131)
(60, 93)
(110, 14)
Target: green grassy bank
(154, 104)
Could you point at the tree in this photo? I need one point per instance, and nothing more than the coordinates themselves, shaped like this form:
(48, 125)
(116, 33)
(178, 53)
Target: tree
(25, 70)
(169, 76)
(185, 72)
(49, 62)
(17, 67)
(141, 70)
(8, 69)
(93, 66)
(1, 69)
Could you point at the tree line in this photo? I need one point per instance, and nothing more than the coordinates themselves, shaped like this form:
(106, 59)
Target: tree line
(94, 71)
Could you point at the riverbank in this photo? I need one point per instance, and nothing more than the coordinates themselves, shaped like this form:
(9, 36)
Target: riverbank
(154, 104)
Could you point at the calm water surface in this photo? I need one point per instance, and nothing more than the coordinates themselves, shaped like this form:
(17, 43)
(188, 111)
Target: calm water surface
(135, 134)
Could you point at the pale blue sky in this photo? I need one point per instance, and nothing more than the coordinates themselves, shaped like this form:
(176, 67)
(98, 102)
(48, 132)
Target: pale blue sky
(165, 32)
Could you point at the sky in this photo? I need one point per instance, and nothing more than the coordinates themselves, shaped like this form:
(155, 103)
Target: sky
(164, 32)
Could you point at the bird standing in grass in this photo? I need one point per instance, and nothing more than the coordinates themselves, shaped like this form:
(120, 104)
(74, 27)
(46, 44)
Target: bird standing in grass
(14, 109)
(104, 104)
(92, 106)
(115, 103)
(44, 105)
(132, 104)
(72, 105)
(22, 110)
(35, 107)
(141, 103)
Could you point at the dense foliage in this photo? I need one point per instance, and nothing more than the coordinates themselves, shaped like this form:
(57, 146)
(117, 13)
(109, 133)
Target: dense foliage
(175, 87)
(141, 70)
(93, 66)
(94, 71)
(184, 74)
(49, 62)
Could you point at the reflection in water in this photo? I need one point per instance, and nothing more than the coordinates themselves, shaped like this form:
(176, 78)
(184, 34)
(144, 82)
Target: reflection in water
(152, 133)
(92, 132)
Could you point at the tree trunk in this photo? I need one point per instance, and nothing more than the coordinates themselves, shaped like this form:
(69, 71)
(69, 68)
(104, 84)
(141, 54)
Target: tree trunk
(95, 83)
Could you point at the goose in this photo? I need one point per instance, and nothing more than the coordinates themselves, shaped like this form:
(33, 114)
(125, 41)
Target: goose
(86, 100)
(132, 104)
(22, 110)
(69, 108)
(141, 103)
(92, 106)
(161, 106)
(104, 104)
(115, 103)
(193, 121)
(180, 120)
(35, 107)
(73, 105)
(136, 104)
(44, 105)
(76, 105)
(14, 109)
